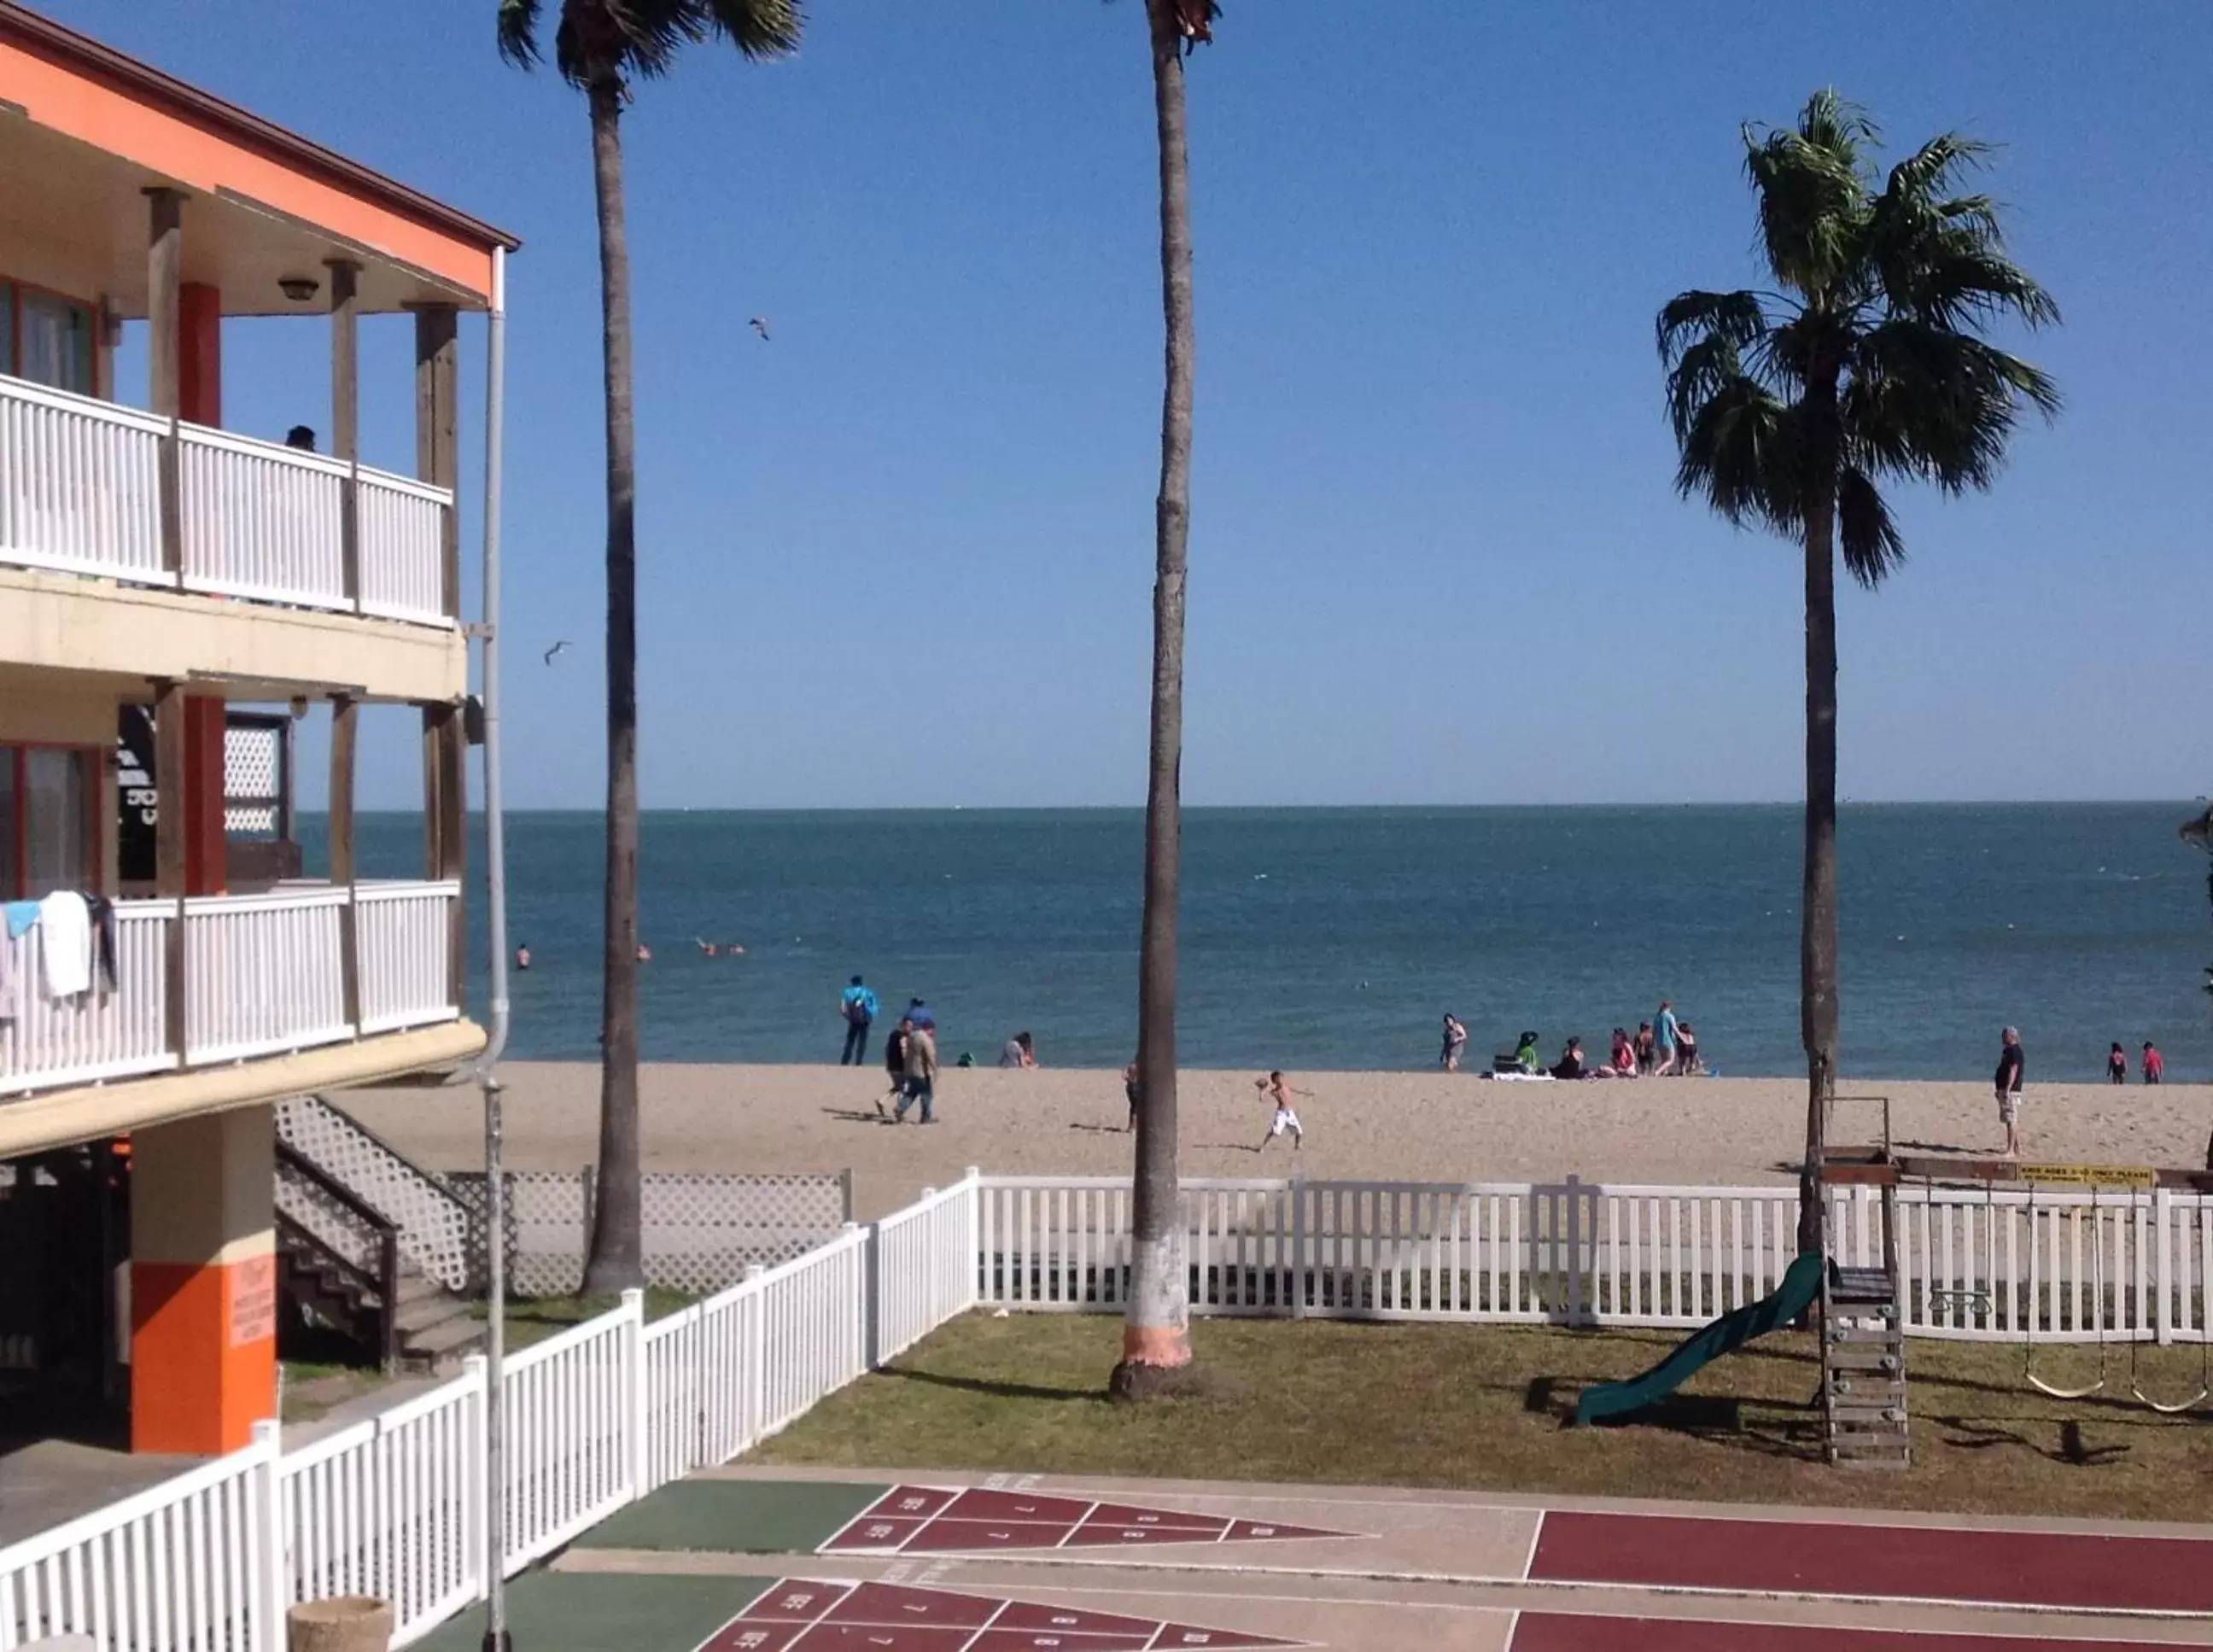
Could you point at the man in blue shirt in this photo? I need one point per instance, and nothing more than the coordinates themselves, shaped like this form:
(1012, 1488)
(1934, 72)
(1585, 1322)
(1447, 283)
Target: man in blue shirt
(858, 1006)
(1663, 1034)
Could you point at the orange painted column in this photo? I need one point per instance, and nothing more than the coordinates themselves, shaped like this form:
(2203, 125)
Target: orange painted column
(202, 1282)
(207, 870)
(200, 353)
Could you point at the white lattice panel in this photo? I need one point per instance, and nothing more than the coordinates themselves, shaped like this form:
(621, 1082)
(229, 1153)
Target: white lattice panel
(435, 1227)
(701, 1231)
(253, 766)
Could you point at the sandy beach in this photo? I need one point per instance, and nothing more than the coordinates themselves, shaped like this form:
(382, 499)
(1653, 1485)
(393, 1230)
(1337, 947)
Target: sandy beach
(1410, 1126)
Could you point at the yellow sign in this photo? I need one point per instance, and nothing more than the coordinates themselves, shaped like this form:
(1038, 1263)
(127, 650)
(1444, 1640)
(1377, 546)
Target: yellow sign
(2091, 1175)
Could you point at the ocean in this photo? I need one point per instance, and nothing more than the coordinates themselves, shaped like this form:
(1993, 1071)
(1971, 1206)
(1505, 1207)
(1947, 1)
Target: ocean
(1336, 938)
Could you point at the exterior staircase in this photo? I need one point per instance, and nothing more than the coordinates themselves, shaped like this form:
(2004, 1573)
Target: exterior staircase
(371, 1246)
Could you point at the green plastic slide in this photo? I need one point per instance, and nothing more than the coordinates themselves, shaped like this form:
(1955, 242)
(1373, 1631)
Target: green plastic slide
(1801, 1287)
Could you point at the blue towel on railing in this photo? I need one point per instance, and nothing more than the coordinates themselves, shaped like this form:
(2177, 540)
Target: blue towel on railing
(21, 914)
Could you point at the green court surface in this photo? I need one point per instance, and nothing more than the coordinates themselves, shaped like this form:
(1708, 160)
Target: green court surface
(563, 1611)
(736, 1517)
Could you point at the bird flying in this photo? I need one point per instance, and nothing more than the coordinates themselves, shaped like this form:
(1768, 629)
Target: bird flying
(760, 324)
(556, 649)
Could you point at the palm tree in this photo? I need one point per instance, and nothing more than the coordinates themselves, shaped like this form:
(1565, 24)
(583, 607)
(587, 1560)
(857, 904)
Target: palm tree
(1789, 407)
(1155, 1327)
(602, 46)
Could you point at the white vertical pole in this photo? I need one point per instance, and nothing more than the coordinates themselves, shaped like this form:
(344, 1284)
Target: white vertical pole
(266, 1577)
(636, 1399)
(2162, 1207)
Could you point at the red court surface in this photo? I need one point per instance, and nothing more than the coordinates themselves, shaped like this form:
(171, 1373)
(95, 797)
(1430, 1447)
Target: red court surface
(799, 1615)
(939, 1520)
(2079, 1570)
(1563, 1632)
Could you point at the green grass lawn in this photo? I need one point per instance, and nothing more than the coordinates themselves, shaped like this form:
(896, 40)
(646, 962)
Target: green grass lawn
(1482, 1407)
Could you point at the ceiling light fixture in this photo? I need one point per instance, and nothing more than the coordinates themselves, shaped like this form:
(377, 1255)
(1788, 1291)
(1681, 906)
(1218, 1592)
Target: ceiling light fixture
(298, 289)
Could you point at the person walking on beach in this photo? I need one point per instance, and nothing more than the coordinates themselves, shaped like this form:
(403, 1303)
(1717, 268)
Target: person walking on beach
(2154, 1064)
(1277, 1090)
(921, 1075)
(1664, 1039)
(858, 1006)
(2011, 1064)
(1455, 1042)
(895, 1063)
(1133, 1092)
(1644, 1048)
(2117, 1065)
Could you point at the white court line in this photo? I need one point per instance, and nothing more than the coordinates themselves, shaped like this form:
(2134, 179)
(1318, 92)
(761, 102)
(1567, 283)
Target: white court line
(1529, 1560)
(843, 1588)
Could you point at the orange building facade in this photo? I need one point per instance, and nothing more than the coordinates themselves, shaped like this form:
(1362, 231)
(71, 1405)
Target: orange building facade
(176, 599)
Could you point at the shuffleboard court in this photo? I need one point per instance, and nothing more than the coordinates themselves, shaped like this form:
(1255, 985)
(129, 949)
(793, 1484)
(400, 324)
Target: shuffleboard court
(814, 1615)
(951, 1519)
(1550, 1631)
(2081, 1571)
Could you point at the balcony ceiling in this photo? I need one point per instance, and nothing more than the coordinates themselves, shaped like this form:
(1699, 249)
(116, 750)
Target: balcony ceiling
(73, 218)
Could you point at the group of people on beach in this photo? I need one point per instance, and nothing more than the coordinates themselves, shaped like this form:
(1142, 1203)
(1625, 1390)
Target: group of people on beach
(1664, 1047)
(910, 1051)
(2117, 1065)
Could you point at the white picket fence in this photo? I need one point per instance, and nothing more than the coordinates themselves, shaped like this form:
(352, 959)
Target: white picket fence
(395, 1506)
(607, 1411)
(925, 1269)
(2077, 1266)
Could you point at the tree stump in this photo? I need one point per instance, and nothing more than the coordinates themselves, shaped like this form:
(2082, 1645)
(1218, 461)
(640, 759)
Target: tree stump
(346, 1622)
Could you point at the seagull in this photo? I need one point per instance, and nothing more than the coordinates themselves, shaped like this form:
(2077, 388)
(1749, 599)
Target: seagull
(760, 324)
(555, 650)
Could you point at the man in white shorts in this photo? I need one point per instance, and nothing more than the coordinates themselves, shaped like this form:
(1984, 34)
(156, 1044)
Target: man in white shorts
(2008, 1083)
(1277, 1088)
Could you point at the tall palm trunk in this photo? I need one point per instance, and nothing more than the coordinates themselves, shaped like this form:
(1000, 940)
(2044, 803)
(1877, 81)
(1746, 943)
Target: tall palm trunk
(617, 1260)
(1817, 927)
(1155, 1335)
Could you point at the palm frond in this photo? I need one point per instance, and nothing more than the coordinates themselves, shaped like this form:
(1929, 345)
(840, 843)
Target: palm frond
(1738, 317)
(1814, 193)
(1741, 451)
(518, 33)
(760, 29)
(1934, 168)
(1927, 401)
(1866, 536)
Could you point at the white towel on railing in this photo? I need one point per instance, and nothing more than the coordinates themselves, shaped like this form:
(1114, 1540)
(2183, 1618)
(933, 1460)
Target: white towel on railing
(65, 943)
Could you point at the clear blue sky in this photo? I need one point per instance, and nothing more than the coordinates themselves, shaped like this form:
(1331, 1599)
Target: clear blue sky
(902, 554)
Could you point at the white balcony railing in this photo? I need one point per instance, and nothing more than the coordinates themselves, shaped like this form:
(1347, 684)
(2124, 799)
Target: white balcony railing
(81, 491)
(264, 975)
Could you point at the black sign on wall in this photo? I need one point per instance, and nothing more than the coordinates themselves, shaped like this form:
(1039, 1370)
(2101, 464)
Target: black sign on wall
(135, 794)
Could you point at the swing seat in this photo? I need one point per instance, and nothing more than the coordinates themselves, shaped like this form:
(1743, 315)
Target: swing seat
(2189, 1405)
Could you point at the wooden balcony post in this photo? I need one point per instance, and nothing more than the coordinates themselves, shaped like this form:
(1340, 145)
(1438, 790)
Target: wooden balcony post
(169, 829)
(445, 830)
(165, 266)
(437, 353)
(346, 415)
(345, 713)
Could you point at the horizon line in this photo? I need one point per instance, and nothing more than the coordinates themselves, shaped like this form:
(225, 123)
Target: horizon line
(477, 811)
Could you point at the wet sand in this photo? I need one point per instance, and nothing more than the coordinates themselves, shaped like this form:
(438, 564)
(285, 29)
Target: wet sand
(1390, 1125)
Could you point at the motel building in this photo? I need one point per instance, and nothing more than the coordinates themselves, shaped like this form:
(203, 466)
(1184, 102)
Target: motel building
(187, 610)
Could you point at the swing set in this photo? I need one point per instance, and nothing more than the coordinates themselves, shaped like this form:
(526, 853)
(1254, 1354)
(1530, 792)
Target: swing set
(1880, 1166)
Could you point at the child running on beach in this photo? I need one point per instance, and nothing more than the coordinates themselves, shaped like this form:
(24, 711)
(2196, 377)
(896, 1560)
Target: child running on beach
(1277, 1088)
